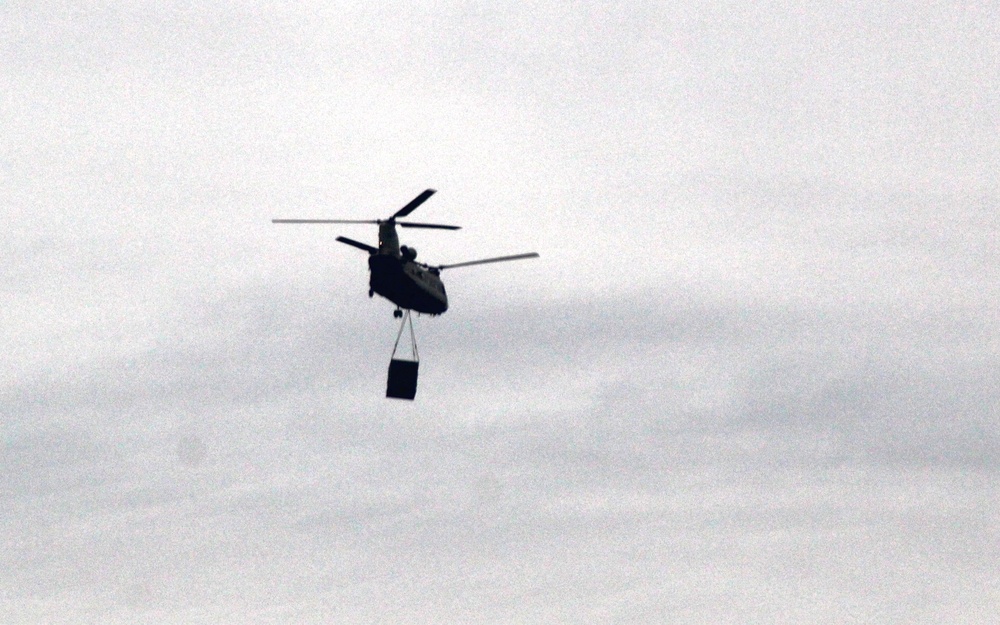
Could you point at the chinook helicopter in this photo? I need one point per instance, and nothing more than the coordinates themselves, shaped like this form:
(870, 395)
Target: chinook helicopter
(395, 273)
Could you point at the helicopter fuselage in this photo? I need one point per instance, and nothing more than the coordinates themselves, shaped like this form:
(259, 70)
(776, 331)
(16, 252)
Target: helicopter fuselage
(395, 273)
(407, 284)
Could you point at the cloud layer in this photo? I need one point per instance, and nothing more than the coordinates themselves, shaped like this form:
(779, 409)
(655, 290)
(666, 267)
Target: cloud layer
(751, 377)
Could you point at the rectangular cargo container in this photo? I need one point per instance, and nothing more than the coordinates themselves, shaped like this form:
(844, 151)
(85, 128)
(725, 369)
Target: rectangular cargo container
(402, 383)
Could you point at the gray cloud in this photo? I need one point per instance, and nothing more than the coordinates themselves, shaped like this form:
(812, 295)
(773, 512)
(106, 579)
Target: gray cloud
(750, 379)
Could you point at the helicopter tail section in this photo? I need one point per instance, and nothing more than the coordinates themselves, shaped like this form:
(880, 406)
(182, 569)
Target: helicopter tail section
(388, 240)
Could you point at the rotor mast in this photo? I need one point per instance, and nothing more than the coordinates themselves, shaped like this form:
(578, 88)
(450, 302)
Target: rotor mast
(388, 240)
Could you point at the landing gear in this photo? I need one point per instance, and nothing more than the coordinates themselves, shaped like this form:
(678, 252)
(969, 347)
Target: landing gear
(371, 293)
(397, 313)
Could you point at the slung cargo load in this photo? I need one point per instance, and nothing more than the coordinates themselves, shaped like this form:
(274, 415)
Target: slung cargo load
(398, 277)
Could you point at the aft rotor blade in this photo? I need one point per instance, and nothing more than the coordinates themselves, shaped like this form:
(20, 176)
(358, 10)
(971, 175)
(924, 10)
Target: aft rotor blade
(499, 259)
(414, 203)
(324, 221)
(410, 224)
(358, 244)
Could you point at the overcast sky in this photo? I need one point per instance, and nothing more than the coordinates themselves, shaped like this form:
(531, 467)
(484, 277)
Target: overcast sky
(751, 379)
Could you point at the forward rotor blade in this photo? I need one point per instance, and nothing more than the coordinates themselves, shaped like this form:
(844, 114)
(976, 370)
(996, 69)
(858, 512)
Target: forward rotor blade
(410, 224)
(324, 221)
(414, 203)
(358, 244)
(499, 259)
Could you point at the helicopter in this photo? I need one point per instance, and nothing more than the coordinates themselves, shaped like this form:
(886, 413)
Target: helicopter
(395, 273)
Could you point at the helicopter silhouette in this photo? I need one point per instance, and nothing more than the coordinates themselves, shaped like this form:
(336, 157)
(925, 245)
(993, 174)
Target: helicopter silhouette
(395, 273)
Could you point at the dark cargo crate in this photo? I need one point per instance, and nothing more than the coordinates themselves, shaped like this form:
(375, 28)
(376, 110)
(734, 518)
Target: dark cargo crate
(402, 382)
